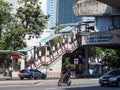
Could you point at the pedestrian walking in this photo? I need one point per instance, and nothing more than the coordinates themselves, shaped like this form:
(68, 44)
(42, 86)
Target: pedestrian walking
(10, 71)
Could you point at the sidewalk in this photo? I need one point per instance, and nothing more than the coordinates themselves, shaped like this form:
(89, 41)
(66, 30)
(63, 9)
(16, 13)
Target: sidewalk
(16, 81)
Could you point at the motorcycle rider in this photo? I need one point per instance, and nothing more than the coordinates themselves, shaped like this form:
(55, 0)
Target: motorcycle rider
(66, 74)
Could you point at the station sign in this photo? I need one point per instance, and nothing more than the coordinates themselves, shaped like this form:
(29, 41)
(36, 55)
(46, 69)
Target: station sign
(97, 39)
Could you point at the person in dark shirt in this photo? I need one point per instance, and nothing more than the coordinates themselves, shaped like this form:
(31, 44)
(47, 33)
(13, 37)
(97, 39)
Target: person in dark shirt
(66, 74)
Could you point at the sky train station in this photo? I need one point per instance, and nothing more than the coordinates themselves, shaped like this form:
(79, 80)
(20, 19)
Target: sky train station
(106, 33)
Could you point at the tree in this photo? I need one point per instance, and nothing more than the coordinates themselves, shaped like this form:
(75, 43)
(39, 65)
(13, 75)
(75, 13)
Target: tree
(110, 58)
(31, 16)
(12, 39)
(66, 62)
(5, 15)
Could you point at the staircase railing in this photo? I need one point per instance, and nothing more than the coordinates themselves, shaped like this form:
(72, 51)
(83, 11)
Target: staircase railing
(67, 47)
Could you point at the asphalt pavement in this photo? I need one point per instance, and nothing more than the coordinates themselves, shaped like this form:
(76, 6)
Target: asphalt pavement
(6, 81)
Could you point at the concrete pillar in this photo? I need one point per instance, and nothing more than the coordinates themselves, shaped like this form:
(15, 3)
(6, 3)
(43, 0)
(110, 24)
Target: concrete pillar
(86, 72)
(22, 64)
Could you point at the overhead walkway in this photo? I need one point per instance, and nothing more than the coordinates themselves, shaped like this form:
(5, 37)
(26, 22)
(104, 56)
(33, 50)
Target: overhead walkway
(47, 54)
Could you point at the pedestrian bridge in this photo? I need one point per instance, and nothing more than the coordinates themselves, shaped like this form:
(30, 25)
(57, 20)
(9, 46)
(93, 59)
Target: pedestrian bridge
(49, 50)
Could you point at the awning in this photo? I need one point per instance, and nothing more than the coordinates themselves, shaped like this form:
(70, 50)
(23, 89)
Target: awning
(26, 49)
(14, 54)
(96, 63)
(67, 29)
(48, 38)
(11, 52)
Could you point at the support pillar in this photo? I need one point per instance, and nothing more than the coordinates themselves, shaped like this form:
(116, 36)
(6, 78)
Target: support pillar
(22, 64)
(86, 72)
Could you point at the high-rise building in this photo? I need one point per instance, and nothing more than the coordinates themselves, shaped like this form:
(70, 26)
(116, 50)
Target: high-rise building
(65, 12)
(52, 13)
(61, 12)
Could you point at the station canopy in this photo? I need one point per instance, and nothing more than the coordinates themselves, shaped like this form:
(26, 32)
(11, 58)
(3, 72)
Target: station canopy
(67, 29)
(26, 49)
(48, 38)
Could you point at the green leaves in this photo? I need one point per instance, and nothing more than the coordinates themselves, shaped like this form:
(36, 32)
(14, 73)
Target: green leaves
(5, 15)
(110, 57)
(31, 16)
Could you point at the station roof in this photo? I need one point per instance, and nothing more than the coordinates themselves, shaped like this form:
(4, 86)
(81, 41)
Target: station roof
(48, 38)
(67, 29)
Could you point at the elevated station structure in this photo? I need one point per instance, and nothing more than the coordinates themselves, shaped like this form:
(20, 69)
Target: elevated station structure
(107, 23)
(107, 17)
(95, 8)
(47, 56)
(114, 3)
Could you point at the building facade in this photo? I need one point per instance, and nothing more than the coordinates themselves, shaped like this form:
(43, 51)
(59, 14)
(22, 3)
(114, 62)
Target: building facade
(66, 14)
(106, 16)
(61, 13)
(52, 13)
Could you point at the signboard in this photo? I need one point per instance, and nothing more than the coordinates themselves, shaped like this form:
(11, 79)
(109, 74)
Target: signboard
(76, 61)
(97, 39)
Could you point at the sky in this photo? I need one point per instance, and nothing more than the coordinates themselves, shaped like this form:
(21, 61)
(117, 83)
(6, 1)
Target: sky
(15, 5)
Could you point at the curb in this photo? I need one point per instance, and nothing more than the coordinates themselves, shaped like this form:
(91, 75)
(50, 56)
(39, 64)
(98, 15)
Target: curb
(6, 82)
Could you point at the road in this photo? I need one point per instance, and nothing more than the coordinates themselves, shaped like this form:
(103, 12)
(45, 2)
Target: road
(77, 84)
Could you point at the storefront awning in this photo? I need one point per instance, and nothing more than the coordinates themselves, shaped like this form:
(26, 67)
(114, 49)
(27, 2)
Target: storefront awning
(14, 54)
(11, 52)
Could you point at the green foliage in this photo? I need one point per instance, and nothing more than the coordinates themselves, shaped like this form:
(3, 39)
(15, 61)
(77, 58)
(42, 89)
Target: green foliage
(54, 41)
(66, 62)
(5, 15)
(95, 51)
(31, 16)
(111, 57)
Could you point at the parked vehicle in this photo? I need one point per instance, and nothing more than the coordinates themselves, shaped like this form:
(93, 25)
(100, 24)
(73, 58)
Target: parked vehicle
(111, 77)
(31, 74)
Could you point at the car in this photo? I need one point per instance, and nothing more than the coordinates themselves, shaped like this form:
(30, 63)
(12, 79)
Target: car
(31, 74)
(111, 77)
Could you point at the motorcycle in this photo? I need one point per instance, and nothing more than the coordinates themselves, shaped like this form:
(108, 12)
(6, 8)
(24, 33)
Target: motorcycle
(62, 80)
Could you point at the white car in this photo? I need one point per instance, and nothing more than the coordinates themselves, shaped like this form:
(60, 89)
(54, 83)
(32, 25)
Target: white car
(31, 73)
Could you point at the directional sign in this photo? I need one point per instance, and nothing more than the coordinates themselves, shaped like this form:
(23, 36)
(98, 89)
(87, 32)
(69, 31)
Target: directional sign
(76, 61)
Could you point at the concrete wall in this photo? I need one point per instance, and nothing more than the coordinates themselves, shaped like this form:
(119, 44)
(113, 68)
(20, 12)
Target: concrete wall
(93, 8)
